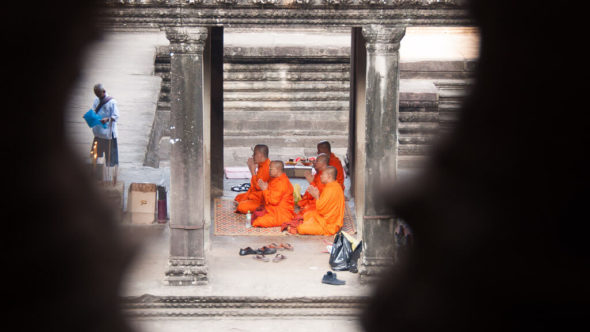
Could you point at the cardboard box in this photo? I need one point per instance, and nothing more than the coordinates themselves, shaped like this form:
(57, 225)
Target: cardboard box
(141, 203)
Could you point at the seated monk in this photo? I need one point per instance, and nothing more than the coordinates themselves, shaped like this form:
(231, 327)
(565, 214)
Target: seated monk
(278, 198)
(328, 217)
(326, 148)
(252, 199)
(307, 201)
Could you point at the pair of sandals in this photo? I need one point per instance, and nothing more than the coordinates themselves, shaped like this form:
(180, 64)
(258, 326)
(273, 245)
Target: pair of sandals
(240, 188)
(260, 251)
(276, 259)
(280, 246)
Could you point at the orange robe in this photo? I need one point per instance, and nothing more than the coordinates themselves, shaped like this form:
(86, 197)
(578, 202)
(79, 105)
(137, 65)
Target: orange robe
(307, 202)
(328, 217)
(252, 199)
(278, 203)
(334, 161)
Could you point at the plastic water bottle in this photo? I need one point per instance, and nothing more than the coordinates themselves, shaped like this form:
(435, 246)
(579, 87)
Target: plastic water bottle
(248, 219)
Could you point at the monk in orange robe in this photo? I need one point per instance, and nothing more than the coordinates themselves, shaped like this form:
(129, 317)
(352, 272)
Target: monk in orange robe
(328, 217)
(278, 198)
(307, 201)
(252, 199)
(326, 148)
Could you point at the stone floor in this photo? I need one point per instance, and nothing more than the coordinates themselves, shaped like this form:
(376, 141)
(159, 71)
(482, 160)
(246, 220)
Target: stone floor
(234, 275)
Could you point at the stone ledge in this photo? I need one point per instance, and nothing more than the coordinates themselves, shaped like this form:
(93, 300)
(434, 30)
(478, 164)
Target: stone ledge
(249, 306)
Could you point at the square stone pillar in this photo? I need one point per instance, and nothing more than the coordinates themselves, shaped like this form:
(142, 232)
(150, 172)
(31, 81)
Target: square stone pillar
(190, 157)
(376, 148)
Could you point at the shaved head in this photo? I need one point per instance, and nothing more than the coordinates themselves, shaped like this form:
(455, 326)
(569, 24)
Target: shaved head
(276, 168)
(323, 158)
(324, 147)
(332, 171)
(261, 148)
(278, 164)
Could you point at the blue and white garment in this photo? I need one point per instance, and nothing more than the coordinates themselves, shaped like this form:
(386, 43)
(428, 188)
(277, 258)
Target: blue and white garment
(108, 110)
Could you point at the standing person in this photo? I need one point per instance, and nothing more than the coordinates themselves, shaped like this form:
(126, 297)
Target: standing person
(105, 137)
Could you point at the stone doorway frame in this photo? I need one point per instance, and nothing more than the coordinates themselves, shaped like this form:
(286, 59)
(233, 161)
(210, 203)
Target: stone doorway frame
(195, 32)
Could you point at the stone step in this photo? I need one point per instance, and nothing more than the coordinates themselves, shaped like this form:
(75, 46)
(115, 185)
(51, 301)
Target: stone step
(287, 109)
(286, 53)
(418, 117)
(286, 105)
(287, 96)
(290, 132)
(237, 156)
(179, 307)
(418, 128)
(325, 116)
(276, 96)
(460, 69)
(414, 149)
(287, 67)
(453, 84)
(285, 76)
(434, 75)
(286, 86)
(449, 117)
(283, 140)
(291, 126)
(162, 67)
(411, 161)
(417, 106)
(450, 107)
(452, 93)
(417, 139)
(163, 105)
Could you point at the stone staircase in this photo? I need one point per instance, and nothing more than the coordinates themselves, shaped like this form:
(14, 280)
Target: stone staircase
(431, 93)
(289, 103)
(158, 148)
(290, 99)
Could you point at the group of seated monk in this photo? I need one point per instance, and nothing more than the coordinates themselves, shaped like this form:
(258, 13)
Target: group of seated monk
(321, 207)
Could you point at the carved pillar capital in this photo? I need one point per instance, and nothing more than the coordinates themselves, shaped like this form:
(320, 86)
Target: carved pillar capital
(383, 40)
(187, 40)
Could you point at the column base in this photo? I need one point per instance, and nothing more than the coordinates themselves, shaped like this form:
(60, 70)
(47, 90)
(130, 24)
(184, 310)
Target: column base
(186, 271)
(371, 269)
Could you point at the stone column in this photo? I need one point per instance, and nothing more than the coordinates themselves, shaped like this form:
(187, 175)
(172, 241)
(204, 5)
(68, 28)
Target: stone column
(189, 157)
(377, 135)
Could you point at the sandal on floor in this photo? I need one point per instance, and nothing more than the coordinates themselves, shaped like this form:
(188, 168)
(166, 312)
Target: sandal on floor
(240, 188)
(286, 246)
(331, 279)
(274, 246)
(247, 251)
(266, 251)
(278, 258)
(261, 258)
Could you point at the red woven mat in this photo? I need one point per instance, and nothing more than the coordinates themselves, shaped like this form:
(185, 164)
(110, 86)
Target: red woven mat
(227, 222)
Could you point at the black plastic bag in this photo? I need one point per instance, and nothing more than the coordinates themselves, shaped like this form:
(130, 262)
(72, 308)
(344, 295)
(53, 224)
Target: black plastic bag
(341, 253)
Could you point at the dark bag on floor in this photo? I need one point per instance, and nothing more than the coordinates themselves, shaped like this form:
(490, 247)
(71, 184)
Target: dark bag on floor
(341, 253)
